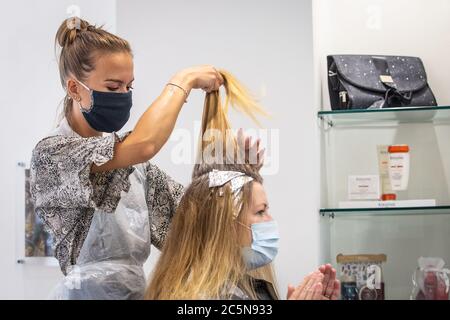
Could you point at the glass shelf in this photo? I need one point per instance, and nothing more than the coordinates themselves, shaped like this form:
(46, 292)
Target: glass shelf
(398, 115)
(401, 211)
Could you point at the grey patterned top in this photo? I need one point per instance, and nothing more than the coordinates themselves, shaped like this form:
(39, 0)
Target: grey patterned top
(66, 193)
(264, 290)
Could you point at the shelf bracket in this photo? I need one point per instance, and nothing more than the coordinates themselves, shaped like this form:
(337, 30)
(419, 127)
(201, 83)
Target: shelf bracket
(328, 123)
(330, 214)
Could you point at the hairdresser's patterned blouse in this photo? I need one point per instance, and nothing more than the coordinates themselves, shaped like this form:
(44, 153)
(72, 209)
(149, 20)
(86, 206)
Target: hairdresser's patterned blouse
(72, 201)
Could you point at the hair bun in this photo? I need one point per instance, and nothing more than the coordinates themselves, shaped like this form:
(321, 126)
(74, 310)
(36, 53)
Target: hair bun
(69, 29)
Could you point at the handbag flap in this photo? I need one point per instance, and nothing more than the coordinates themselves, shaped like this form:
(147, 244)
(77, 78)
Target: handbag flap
(364, 71)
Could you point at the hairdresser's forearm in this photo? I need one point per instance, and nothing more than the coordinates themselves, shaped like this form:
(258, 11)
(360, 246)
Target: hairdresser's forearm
(157, 123)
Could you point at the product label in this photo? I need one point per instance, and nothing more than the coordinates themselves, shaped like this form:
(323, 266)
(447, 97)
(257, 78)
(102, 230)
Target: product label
(364, 187)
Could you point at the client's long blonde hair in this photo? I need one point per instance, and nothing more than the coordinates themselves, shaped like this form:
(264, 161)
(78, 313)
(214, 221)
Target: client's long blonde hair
(215, 118)
(201, 258)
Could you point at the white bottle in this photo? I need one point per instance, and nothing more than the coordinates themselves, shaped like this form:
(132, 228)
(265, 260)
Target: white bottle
(399, 166)
(383, 167)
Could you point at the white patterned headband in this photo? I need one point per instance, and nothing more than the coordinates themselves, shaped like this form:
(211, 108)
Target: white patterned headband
(218, 178)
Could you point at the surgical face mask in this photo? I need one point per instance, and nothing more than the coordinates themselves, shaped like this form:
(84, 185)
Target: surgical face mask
(264, 245)
(109, 111)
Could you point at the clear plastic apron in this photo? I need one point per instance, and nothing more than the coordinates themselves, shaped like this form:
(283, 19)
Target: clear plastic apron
(110, 263)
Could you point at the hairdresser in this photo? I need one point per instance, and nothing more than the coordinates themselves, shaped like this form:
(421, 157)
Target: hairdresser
(101, 200)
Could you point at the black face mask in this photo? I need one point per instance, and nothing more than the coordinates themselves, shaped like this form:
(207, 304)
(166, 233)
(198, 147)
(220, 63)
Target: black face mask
(109, 111)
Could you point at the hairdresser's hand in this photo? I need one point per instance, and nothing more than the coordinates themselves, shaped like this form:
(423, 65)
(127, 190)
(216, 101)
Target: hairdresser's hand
(204, 77)
(253, 154)
(310, 289)
(331, 286)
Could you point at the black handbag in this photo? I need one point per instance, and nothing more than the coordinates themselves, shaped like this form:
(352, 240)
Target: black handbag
(371, 81)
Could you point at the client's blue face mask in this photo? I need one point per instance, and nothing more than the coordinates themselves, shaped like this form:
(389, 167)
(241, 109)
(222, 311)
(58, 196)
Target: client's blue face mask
(109, 111)
(264, 246)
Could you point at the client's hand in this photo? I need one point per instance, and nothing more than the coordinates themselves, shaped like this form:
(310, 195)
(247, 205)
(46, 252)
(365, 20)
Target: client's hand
(253, 154)
(331, 286)
(310, 289)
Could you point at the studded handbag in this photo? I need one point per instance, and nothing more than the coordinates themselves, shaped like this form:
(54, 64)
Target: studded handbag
(371, 81)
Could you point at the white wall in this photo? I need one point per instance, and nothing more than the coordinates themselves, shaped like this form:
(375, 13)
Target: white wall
(400, 27)
(31, 94)
(266, 44)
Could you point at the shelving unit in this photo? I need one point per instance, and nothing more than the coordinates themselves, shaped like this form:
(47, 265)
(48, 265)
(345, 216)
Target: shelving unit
(348, 147)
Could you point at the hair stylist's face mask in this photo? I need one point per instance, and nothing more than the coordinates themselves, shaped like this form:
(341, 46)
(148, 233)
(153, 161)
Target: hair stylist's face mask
(109, 111)
(264, 245)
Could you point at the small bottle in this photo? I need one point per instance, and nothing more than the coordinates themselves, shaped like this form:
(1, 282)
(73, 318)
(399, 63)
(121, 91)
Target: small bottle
(349, 289)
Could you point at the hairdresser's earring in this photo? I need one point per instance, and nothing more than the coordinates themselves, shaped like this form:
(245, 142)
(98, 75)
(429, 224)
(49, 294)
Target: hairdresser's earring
(78, 100)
